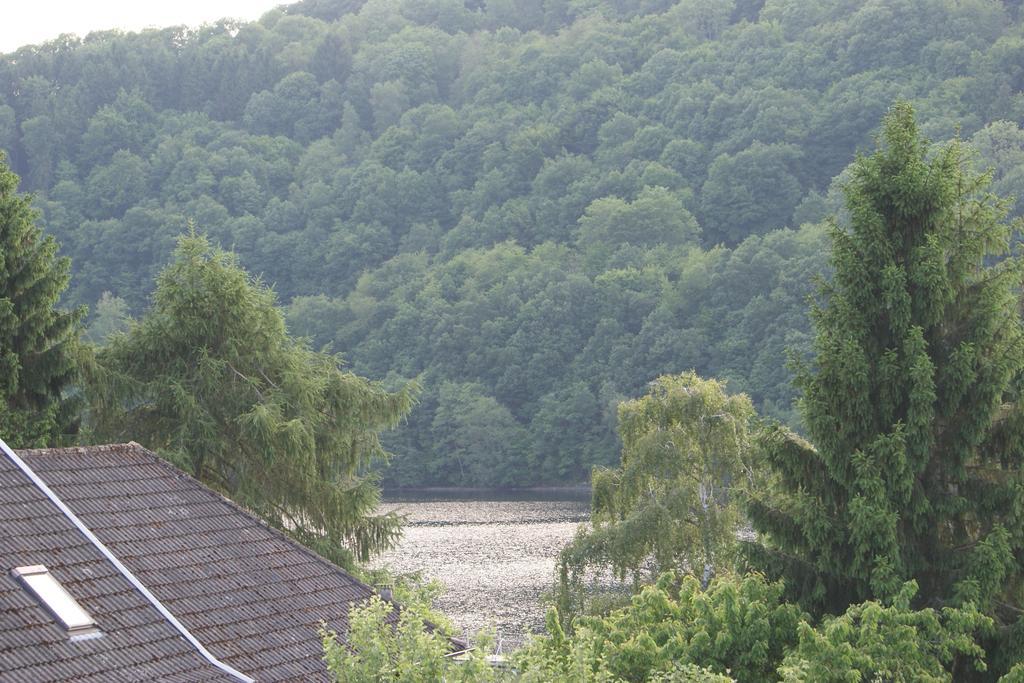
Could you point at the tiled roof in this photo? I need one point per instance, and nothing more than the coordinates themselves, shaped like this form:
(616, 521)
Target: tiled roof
(251, 595)
(138, 643)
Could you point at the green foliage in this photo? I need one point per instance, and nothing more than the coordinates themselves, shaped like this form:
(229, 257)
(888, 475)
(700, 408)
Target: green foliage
(656, 217)
(689, 673)
(109, 317)
(559, 348)
(210, 378)
(675, 502)
(481, 441)
(1000, 147)
(911, 397)
(704, 19)
(871, 642)
(382, 647)
(750, 191)
(331, 139)
(735, 627)
(743, 628)
(1015, 675)
(37, 340)
(409, 590)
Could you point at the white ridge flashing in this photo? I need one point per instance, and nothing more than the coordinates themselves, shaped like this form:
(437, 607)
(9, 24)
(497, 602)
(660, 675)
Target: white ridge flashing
(127, 573)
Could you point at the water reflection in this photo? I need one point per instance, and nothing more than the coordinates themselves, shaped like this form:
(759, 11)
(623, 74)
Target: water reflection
(493, 550)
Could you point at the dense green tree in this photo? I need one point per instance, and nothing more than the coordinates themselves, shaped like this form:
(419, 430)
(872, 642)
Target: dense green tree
(750, 192)
(281, 110)
(8, 128)
(560, 447)
(743, 628)
(478, 439)
(109, 317)
(872, 641)
(115, 187)
(330, 138)
(1000, 147)
(126, 124)
(210, 378)
(382, 647)
(686, 455)
(656, 217)
(560, 349)
(911, 401)
(37, 339)
(737, 627)
(704, 19)
(41, 145)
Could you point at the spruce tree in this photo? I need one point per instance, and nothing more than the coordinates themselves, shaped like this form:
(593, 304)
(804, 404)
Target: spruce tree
(211, 379)
(911, 400)
(37, 359)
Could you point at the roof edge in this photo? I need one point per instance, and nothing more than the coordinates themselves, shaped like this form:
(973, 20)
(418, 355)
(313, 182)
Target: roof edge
(124, 571)
(176, 471)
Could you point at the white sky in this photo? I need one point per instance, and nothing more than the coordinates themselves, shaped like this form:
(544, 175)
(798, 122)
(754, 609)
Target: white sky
(26, 22)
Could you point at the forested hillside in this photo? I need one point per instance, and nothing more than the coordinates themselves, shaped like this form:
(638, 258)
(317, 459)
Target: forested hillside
(537, 206)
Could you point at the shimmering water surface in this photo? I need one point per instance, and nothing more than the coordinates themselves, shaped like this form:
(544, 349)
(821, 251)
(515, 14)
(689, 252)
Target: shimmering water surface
(494, 552)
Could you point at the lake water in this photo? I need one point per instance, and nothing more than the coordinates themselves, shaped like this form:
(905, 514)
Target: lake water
(494, 552)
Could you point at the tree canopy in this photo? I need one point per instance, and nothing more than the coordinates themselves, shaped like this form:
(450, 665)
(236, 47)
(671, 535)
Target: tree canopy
(210, 378)
(911, 399)
(646, 158)
(37, 339)
(742, 629)
(674, 503)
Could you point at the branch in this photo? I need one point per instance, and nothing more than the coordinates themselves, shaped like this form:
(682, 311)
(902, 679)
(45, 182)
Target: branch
(246, 380)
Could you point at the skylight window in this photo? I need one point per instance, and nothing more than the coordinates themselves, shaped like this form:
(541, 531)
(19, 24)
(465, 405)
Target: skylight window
(55, 598)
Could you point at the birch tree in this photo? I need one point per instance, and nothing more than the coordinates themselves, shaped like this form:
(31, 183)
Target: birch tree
(673, 504)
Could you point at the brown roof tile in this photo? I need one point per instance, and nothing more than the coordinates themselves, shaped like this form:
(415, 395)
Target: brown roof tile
(253, 596)
(137, 643)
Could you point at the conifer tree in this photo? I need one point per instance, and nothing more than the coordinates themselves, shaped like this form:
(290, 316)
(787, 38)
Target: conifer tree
(911, 401)
(37, 359)
(211, 379)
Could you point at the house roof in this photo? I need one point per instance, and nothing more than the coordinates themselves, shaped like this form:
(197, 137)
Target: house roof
(137, 644)
(251, 595)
